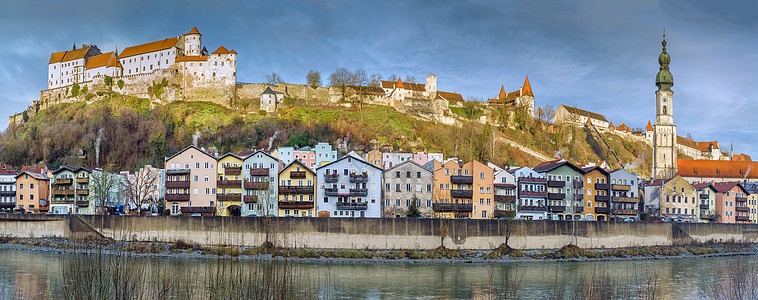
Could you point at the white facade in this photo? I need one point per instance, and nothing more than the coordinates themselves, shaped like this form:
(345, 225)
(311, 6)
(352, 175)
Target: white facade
(146, 63)
(355, 192)
(7, 191)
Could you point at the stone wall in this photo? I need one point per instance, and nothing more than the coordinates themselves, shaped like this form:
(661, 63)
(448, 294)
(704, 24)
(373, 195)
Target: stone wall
(401, 233)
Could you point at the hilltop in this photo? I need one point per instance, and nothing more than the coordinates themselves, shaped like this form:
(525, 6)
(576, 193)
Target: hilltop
(128, 131)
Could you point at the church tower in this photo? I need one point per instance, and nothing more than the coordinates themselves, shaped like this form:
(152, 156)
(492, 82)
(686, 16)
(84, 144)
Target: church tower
(664, 130)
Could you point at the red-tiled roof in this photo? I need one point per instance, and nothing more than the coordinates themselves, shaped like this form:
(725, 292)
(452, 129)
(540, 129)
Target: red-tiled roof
(704, 146)
(98, 60)
(649, 126)
(723, 187)
(717, 168)
(527, 88)
(686, 142)
(741, 157)
(149, 47)
(114, 63)
(75, 54)
(221, 50)
(57, 57)
(194, 30)
(34, 169)
(192, 58)
(449, 96)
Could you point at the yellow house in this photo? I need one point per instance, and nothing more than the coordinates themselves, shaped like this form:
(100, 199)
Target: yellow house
(297, 195)
(229, 185)
(752, 203)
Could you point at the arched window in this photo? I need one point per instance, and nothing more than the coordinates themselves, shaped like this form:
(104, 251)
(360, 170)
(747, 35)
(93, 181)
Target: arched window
(664, 109)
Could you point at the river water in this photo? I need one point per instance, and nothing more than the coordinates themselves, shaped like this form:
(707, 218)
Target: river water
(34, 275)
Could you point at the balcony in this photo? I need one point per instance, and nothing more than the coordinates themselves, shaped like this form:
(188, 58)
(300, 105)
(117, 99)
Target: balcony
(62, 201)
(502, 198)
(352, 205)
(358, 178)
(462, 179)
(82, 192)
(712, 217)
(63, 181)
(259, 172)
(461, 193)
(704, 206)
(306, 189)
(178, 184)
(742, 218)
(625, 199)
(229, 183)
(532, 208)
(578, 197)
(359, 192)
(256, 185)
(178, 172)
(742, 208)
(331, 178)
(602, 198)
(624, 212)
(451, 207)
(621, 187)
(232, 170)
(229, 197)
(177, 197)
(704, 196)
(82, 203)
(296, 204)
(532, 194)
(602, 186)
(532, 180)
(556, 183)
(7, 193)
(62, 192)
(602, 210)
(7, 205)
(297, 174)
(556, 208)
(331, 192)
(740, 199)
(556, 196)
(82, 180)
(578, 184)
(250, 198)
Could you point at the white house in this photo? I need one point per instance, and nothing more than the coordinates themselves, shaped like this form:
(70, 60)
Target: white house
(349, 187)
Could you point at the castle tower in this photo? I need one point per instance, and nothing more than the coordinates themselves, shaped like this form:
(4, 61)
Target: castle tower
(431, 85)
(664, 130)
(192, 42)
(526, 97)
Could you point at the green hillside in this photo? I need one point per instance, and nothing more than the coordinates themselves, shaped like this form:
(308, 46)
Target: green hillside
(132, 133)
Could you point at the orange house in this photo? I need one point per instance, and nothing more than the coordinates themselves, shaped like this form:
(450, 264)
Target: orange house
(731, 202)
(597, 193)
(463, 190)
(31, 192)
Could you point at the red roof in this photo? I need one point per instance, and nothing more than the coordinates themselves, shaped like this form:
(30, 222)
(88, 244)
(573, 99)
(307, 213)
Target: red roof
(99, 60)
(718, 168)
(194, 31)
(221, 50)
(149, 47)
(192, 58)
(741, 157)
(707, 146)
(527, 87)
(502, 92)
(722, 187)
(399, 84)
(649, 126)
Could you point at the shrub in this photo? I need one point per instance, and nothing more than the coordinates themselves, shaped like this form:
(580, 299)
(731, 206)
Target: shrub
(75, 90)
(262, 112)
(120, 84)
(108, 80)
(167, 212)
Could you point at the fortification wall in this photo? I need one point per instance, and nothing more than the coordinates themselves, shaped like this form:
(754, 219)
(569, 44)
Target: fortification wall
(395, 233)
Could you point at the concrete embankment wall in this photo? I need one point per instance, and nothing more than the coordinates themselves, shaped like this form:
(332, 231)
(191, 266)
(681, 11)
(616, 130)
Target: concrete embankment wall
(338, 233)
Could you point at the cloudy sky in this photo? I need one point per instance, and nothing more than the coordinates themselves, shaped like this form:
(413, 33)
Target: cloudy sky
(599, 55)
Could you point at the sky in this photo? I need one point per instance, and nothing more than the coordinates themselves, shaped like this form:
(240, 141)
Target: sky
(598, 55)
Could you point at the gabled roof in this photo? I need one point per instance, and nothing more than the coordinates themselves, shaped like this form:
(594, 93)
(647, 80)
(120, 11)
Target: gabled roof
(256, 152)
(352, 155)
(552, 165)
(149, 47)
(407, 162)
(704, 185)
(296, 162)
(704, 146)
(585, 113)
(34, 169)
(268, 90)
(723, 187)
(65, 168)
(193, 31)
(686, 142)
(449, 96)
(75, 54)
(717, 168)
(232, 154)
(187, 148)
(590, 169)
(649, 126)
(57, 57)
(221, 50)
(37, 176)
(100, 60)
(741, 157)
(192, 58)
(114, 63)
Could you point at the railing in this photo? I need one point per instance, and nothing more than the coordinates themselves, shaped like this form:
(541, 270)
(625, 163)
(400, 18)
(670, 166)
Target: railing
(602, 198)
(556, 196)
(704, 206)
(461, 193)
(602, 210)
(7, 193)
(742, 208)
(177, 197)
(232, 170)
(578, 197)
(624, 212)
(62, 201)
(7, 205)
(178, 184)
(82, 192)
(331, 178)
(62, 191)
(256, 185)
(742, 218)
(704, 196)
(445, 207)
(532, 180)
(229, 197)
(352, 205)
(297, 174)
(358, 178)
(177, 172)
(741, 199)
(708, 216)
(82, 180)
(358, 192)
(621, 187)
(533, 194)
(602, 186)
(250, 198)
(557, 208)
(259, 172)
(63, 181)
(532, 208)
(625, 199)
(331, 191)
(306, 189)
(462, 179)
(295, 204)
(578, 184)
(82, 203)
(502, 198)
(556, 183)
(229, 183)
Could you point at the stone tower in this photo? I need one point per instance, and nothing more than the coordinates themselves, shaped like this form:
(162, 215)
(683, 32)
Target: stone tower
(431, 85)
(664, 130)
(192, 42)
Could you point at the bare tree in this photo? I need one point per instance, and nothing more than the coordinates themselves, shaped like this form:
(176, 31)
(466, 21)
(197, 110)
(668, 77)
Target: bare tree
(548, 112)
(410, 78)
(360, 78)
(342, 78)
(273, 78)
(313, 78)
(393, 77)
(141, 188)
(375, 80)
(101, 185)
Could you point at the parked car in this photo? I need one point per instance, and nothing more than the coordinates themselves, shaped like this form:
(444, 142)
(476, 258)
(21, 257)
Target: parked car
(628, 220)
(196, 215)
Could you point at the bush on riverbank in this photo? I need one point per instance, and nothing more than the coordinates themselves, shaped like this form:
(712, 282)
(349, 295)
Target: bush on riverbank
(505, 250)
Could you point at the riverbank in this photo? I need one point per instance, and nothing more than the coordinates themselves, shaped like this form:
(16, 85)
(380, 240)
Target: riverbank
(269, 252)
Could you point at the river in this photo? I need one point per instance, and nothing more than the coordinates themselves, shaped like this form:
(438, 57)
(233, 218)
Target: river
(35, 275)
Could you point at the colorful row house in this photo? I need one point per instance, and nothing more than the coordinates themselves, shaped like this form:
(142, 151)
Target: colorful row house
(349, 187)
(408, 185)
(296, 197)
(464, 190)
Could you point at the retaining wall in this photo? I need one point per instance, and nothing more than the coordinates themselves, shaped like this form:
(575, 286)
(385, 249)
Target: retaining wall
(338, 233)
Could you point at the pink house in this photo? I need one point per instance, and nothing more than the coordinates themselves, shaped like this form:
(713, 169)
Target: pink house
(420, 158)
(307, 156)
(731, 202)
